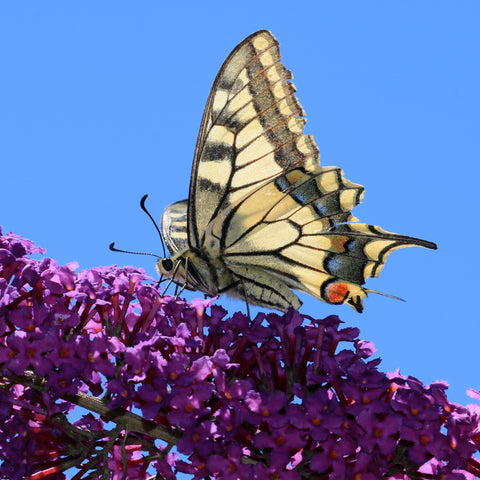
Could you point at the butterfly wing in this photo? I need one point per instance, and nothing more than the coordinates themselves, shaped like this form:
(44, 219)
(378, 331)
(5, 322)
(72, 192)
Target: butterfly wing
(299, 231)
(251, 131)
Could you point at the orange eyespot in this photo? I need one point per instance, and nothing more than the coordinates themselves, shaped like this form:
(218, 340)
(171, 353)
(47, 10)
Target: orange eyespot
(335, 292)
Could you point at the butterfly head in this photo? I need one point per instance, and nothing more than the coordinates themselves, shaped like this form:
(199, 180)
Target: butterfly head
(181, 270)
(174, 269)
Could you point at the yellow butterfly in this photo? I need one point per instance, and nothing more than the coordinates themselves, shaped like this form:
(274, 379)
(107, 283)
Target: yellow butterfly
(263, 217)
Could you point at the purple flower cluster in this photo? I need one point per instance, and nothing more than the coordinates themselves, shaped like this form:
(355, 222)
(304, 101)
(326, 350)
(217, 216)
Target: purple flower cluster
(280, 397)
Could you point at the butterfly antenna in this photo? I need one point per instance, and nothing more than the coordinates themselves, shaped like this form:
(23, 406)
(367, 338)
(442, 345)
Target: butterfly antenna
(144, 208)
(114, 249)
(384, 294)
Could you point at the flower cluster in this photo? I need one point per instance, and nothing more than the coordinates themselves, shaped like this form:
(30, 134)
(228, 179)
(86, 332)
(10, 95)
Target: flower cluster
(171, 388)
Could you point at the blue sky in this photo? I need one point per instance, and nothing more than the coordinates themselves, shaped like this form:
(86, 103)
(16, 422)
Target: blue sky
(101, 103)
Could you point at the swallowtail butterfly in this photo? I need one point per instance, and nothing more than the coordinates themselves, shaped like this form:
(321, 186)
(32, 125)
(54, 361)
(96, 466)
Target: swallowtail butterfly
(263, 217)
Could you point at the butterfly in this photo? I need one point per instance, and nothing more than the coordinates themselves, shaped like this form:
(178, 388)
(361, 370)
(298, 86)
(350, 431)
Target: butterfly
(263, 217)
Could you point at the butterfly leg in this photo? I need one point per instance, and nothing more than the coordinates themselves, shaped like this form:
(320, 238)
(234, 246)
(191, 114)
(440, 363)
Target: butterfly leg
(246, 298)
(182, 288)
(233, 285)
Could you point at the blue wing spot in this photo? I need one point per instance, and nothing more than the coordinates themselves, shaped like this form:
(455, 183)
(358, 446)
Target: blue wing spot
(321, 208)
(350, 245)
(282, 183)
(345, 267)
(333, 264)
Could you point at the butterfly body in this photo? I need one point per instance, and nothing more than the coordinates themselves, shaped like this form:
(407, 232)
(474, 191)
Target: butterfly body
(263, 217)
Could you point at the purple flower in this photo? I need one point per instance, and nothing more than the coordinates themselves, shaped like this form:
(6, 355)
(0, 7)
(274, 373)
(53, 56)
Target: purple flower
(188, 404)
(284, 438)
(282, 396)
(151, 397)
(229, 465)
(381, 431)
(25, 353)
(199, 439)
(334, 454)
(122, 392)
(321, 415)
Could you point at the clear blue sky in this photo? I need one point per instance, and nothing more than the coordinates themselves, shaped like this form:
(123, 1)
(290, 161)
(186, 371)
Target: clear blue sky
(101, 103)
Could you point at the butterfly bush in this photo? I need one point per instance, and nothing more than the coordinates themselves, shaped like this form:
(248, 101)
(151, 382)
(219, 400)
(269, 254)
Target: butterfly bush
(103, 377)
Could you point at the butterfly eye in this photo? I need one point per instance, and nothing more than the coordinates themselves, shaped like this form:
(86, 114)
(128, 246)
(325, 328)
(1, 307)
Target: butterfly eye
(167, 264)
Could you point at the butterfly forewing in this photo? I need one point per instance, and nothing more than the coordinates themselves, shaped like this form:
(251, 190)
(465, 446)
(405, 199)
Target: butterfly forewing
(251, 132)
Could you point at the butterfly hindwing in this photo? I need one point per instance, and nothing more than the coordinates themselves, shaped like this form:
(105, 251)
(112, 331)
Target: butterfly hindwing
(299, 229)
